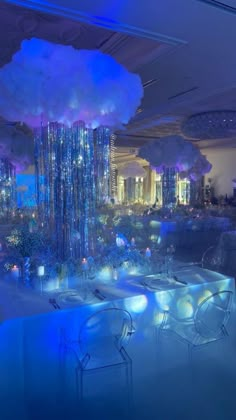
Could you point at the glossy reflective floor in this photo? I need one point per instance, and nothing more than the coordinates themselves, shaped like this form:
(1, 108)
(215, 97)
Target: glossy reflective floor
(164, 388)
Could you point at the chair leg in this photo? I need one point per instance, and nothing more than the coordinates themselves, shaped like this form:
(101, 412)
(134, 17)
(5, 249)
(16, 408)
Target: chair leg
(158, 346)
(129, 382)
(79, 384)
(157, 341)
(190, 360)
(190, 354)
(62, 370)
(225, 332)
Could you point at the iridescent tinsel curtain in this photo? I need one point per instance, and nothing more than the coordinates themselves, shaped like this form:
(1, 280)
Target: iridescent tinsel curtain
(7, 187)
(196, 192)
(66, 191)
(102, 164)
(129, 185)
(169, 186)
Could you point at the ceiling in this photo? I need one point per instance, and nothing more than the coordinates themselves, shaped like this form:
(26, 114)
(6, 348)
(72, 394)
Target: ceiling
(18, 23)
(183, 50)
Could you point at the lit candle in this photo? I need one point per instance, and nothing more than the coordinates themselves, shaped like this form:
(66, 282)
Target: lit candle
(132, 242)
(41, 271)
(15, 271)
(172, 249)
(148, 253)
(115, 274)
(84, 264)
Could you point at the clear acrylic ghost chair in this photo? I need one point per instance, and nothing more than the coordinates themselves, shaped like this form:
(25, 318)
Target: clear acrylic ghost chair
(206, 326)
(212, 259)
(101, 345)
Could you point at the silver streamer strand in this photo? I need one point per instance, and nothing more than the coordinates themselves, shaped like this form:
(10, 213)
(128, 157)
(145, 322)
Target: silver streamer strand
(102, 164)
(169, 186)
(7, 187)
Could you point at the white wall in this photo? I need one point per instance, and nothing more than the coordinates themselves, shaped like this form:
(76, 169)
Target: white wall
(223, 169)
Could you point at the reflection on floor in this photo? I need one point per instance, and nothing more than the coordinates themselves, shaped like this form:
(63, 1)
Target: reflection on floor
(164, 388)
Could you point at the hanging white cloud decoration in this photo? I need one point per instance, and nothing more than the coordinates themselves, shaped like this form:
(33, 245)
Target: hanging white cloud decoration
(175, 152)
(17, 145)
(201, 167)
(50, 82)
(132, 170)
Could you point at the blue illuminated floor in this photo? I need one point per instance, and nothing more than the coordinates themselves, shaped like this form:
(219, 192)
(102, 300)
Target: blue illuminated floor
(164, 394)
(169, 396)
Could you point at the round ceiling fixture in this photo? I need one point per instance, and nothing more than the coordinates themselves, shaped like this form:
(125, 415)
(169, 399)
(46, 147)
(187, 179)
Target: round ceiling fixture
(210, 125)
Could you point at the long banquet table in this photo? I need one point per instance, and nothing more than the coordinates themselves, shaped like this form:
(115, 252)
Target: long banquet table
(180, 231)
(30, 328)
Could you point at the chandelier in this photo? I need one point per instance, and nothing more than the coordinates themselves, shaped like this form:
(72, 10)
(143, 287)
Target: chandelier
(210, 125)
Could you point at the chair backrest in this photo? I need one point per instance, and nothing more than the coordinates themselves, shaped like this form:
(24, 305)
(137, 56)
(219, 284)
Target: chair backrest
(104, 333)
(213, 313)
(211, 258)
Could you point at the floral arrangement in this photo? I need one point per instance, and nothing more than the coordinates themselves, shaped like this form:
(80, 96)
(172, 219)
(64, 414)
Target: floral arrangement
(8, 266)
(25, 243)
(123, 256)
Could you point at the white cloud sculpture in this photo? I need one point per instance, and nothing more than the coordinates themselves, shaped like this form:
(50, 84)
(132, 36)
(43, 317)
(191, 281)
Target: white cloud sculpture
(50, 82)
(132, 170)
(175, 152)
(16, 144)
(201, 167)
